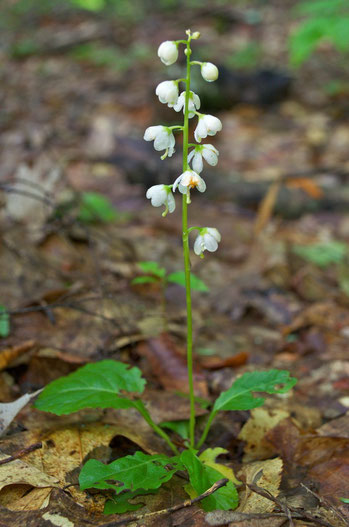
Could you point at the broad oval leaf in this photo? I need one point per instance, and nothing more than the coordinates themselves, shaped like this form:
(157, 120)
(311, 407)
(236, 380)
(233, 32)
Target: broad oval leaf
(240, 395)
(95, 385)
(202, 477)
(140, 471)
(196, 283)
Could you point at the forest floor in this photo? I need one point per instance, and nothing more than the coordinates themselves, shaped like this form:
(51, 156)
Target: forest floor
(77, 94)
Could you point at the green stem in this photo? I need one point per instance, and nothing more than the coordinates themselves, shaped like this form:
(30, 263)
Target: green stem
(206, 430)
(139, 405)
(187, 258)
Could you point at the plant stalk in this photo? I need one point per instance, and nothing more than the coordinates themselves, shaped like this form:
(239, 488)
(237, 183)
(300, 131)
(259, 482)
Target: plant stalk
(187, 258)
(146, 416)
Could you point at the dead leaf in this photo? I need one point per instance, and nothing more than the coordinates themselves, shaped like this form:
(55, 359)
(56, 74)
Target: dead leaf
(265, 474)
(308, 185)
(8, 411)
(20, 472)
(216, 363)
(169, 365)
(9, 355)
(253, 432)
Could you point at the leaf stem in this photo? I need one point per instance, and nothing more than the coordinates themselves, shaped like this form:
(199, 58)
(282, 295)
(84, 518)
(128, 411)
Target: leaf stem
(207, 428)
(187, 258)
(139, 405)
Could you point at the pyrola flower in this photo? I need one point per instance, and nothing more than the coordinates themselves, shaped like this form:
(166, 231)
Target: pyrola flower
(188, 180)
(193, 105)
(163, 139)
(167, 92)
(207, 239)
(162, 195)
(208, 152)
(209, 71)
(168, 52)
(207, 125)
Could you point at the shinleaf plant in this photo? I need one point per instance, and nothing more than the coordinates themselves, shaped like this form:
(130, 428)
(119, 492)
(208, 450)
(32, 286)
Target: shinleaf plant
(112, 384)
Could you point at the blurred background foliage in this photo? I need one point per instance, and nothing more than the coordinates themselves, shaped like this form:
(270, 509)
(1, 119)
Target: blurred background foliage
(317, 23)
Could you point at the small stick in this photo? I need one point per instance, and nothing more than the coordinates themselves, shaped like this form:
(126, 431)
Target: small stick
(289, 511)
(326, 503)
(21, 453)
(135, 517)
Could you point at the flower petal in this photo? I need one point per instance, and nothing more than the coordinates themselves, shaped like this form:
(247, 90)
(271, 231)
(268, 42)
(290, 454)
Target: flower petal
(210, 242)
(152, 132)
(210, 156)
(171, 202)
(215, 233)
(201, 185)
(197, 162)
(162, 140)
(199, 245)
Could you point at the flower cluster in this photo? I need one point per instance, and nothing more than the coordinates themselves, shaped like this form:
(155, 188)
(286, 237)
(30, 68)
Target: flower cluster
(163, 136)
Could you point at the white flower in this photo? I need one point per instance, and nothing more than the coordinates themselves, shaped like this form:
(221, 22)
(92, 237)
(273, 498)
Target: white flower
(162, 195)
(193, 105)
(188, 180)
(167, 92)
(163, 139)
(208, 152)
(209, 71)
(207, 239)
(207, 125)
(168, 52)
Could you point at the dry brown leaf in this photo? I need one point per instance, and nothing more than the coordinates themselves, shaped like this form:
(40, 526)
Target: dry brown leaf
(9, 355)
(253, 432)
(308, 185)
(20, 472)
(169, 365)
(265, 474)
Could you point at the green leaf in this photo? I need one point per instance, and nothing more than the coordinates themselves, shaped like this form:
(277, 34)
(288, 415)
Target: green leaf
(180, 427)
(320, 7)
(153, 268)
(344, 500)
(305, 39)
(90, 5)
(322, 254)
(240, 395)
(4, 322)
(121, 503)
(92, 386)
(202, 477)
(140, 471)
(144, 280)
(95, 207)
(195, 282)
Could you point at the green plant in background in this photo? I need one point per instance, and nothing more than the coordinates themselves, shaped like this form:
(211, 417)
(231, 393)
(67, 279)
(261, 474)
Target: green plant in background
(157, 274)
(324, 20)
(246, 57)
(4, 322)
(112, 384)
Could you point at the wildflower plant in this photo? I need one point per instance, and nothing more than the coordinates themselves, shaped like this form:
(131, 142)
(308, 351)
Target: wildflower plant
(113, 384)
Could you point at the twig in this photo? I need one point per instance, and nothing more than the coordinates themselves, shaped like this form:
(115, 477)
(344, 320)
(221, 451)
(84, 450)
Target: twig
(289, 511)
(188, 503)
(326, 504)
(21, 453)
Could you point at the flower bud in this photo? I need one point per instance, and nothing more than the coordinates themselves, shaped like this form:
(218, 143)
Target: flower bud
(168, 52)
(209, 71)
(196, 35)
